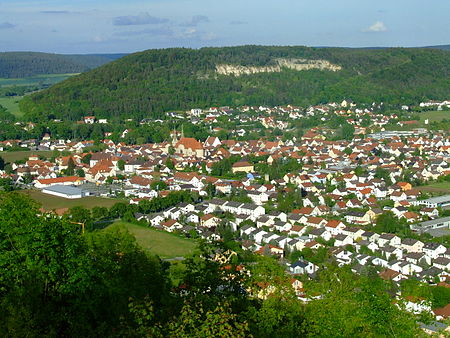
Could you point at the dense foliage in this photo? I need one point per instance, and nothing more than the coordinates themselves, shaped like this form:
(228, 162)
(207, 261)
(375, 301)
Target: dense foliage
(148, 83)
(25, 64)
(56, 281)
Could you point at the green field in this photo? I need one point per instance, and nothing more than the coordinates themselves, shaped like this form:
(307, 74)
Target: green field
(12, 104)
(438, 188)
(431, 116)
(40, 81)
(12, 156)
(163, 244)
(50, 202)
(48, 79)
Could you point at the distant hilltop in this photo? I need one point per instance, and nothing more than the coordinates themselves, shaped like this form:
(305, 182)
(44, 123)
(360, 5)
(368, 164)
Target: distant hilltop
(149, 83)
(27, 64)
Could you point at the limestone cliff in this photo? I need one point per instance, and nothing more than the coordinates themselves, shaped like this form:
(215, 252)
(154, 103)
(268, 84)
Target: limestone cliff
(295, 64)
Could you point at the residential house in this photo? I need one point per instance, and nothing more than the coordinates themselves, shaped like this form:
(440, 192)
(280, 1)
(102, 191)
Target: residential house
(303, 267)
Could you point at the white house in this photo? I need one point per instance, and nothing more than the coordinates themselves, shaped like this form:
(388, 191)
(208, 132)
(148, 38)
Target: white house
(303, 267)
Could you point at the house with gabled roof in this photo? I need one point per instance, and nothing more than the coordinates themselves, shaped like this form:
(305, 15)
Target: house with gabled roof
(389, 274)
(442, 263)
(433, 249)
(170, 225)
(412, 245)
(209, 221)
(334, 226)
(389, 239)
(303, 267)
(404, 267)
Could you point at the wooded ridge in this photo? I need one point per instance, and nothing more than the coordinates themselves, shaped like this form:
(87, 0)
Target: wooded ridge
(152, 82)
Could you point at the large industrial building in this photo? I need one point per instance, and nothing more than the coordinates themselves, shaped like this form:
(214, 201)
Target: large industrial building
(65, 191)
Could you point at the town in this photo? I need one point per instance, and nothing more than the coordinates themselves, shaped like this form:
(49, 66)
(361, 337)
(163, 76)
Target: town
(351, 194)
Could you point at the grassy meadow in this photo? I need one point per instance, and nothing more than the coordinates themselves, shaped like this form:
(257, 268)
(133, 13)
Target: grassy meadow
(438, 188)
(50, 202)
(12, 104)
(13, 156)
(163, 244)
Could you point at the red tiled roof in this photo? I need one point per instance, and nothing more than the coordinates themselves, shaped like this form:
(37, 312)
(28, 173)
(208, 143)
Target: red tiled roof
(61, 180)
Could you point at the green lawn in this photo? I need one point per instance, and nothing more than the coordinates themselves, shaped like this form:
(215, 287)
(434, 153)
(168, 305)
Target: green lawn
(50, 202)
(12, 104)
(433, 116)
(436, 188)
(12, 156)
(163, 244)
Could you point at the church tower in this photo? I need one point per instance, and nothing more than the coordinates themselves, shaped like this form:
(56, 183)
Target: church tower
(174, 137)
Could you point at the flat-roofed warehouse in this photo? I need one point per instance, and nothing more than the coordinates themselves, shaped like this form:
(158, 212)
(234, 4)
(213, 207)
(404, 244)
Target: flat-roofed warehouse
(434, 202)
(65, 191)
(443, 222)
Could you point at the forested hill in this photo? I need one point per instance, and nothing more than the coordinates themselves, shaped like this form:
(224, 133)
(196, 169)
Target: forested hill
(25, 64)
(148, 83)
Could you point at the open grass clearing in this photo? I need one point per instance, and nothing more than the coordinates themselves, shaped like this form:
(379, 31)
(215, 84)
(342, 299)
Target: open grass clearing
(161, 243)
(50, 202)
(437, 188)
(12, 104)
(433, 116)
(13, 156)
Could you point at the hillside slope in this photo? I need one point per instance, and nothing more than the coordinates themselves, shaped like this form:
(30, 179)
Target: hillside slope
(26, 64)
(148, 83)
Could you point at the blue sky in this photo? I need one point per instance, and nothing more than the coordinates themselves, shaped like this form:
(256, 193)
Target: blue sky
(108, 26)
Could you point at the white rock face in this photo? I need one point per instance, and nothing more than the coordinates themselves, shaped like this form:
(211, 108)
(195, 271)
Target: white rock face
(295, 64)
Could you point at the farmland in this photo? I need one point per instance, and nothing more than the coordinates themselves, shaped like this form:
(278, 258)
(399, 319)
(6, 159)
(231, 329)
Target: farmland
(32, 83)
(48, 79)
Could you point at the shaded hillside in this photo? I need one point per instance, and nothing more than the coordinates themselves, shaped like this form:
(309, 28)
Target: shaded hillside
(92, 61)
(443, 47)
(26, 64)
(148, 83)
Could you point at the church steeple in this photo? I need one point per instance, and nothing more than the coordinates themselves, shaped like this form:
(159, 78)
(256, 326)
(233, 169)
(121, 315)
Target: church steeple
(174, 136)
(182, 131)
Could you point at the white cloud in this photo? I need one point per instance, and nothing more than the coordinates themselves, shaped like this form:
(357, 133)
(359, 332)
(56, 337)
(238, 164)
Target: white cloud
(378, 26)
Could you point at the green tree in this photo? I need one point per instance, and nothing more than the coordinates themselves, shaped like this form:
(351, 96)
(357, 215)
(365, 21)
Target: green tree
(80, 172)
(121, 164)
(169, 164)
(348, 131)
(383, 174)
(361, 307)
(194, 321)
(158, 185)
(86, 158)
(70, 171)
(56, 282)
